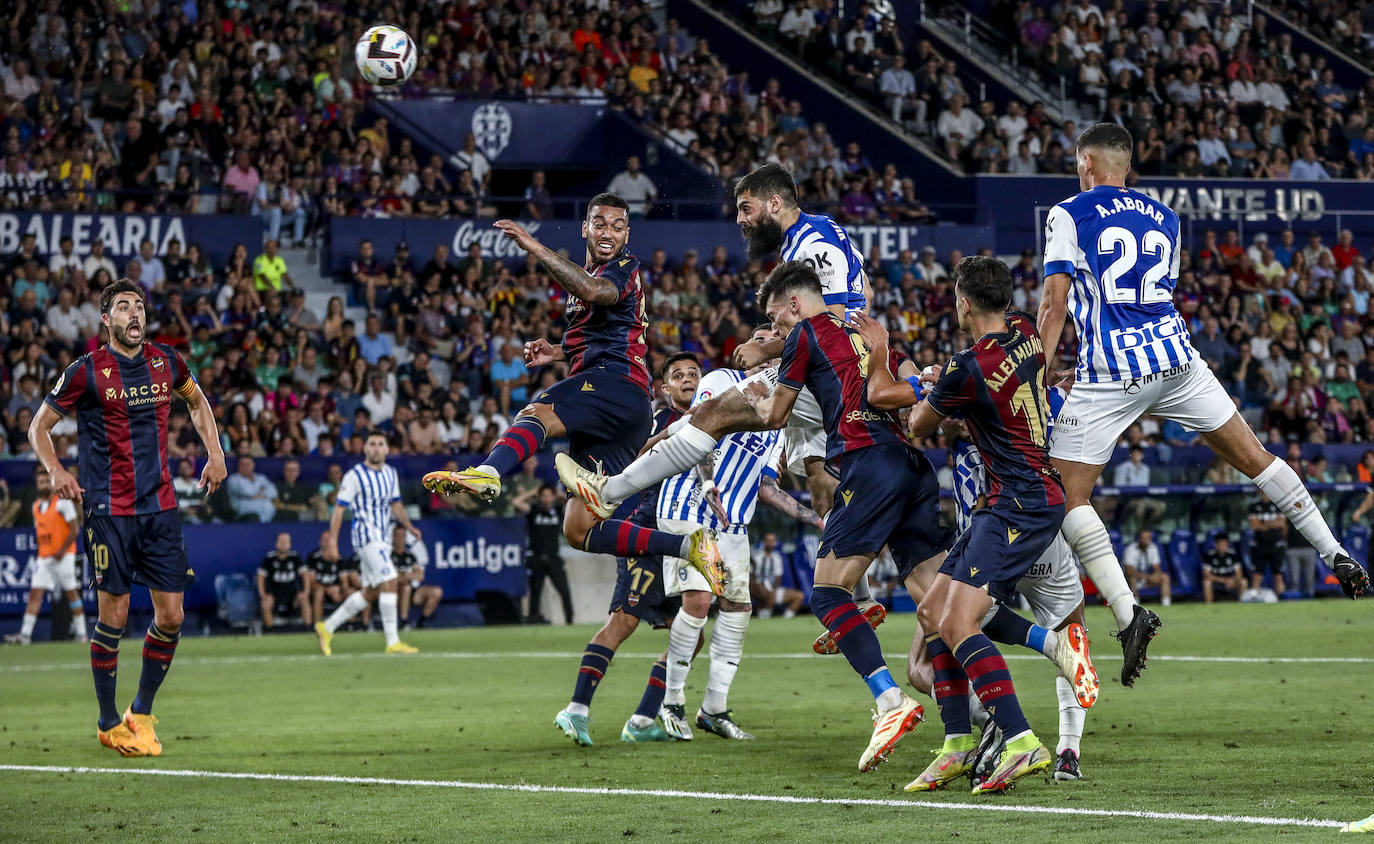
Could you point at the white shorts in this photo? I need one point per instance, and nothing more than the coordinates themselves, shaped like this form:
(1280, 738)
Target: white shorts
(1052, 587)
(804, 437)
(374, 564)
(1095, 415)
(53, 573)
(679, 576)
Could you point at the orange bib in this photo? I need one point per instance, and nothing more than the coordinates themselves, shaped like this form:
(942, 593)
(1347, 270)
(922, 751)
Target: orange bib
(51, 527)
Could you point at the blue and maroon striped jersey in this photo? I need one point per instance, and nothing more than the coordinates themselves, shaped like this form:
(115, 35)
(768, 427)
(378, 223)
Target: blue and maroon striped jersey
(611, 336)
(827, 356)
(121, 406)
(998, 386)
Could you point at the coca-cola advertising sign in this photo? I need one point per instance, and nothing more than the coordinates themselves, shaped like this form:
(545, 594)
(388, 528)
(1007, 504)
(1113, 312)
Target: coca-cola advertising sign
(494, 244)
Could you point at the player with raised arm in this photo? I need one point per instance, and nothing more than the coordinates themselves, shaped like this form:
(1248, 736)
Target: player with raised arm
(372, 490)
(998, 385)
(769, 220)
(56, 526)
(122, 394)
(602, 407)
(1112, 261)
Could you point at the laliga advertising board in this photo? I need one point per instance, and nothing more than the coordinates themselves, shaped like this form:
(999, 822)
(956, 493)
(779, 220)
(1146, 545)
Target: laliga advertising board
(466, 556)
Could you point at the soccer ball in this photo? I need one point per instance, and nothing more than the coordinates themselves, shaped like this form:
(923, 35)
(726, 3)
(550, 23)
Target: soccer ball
(385, 55)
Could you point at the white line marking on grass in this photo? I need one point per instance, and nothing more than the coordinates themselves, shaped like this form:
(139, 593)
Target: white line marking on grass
(186, 660)
(696, 795)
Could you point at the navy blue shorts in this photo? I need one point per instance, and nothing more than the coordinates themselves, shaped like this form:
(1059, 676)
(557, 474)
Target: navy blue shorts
(148, 550)
(606, 416)
(639, 591)
(888, 495)
(1000, 546)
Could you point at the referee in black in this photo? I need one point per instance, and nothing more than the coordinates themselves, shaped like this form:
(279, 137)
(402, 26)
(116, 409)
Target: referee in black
(545, 520)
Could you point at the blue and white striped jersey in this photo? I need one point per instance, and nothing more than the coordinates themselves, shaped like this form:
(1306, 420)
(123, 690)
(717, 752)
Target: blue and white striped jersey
(1120, 247)
(741, 460)
(971, 481)
(369, 493)
(824, 245)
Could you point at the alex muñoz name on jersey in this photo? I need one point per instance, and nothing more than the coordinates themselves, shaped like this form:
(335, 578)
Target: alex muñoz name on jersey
(1120, 248)
(741, 461)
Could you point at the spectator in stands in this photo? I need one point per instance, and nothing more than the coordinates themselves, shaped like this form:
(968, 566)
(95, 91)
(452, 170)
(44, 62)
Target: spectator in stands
(281, 590)
(509, 378)
(1308, 167)
(1270, 529)
(251, 493)
(1221, 567)
(632, 185)
(269, 270)
(1144, 566)
(190, 495)
(1141, 509)
(768, 594)
(295, 501)
(538, 200)
(898, 87)
(373, 345)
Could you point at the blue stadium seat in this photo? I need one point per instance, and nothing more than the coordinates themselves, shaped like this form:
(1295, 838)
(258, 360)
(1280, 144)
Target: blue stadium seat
(1117, 546)
(1357, 543)
(237, 599)
(1247, 541)
(1184, 562)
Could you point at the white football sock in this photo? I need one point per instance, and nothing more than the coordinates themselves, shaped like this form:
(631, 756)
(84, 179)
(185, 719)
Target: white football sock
(1087, 536)
(682, 642)
(727, 647)
(386, 603)
(1071, 717)
(488, 468)
(861, 590)
(79, 625)
(640, 721)
(577, 709)
(26, 626)
(1283, 487)
(356, 603)
(977, 715)
(680, 452)
(889, 700)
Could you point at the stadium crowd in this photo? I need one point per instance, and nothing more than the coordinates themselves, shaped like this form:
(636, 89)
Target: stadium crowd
(1204, 92)
(256, 109)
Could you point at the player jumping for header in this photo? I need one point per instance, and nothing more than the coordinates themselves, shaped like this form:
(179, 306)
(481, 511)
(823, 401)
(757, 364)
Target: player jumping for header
(1112, 261)
(122, 394)
(603, 404)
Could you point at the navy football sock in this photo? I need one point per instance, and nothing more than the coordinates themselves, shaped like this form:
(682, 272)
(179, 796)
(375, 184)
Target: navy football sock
(653, 691)
(104, 667)
(1008, 627)
(850, 631)
(158, 649)
(951, 687)
(987, 672)
(596, 659)
(516, 445)
(624, 539)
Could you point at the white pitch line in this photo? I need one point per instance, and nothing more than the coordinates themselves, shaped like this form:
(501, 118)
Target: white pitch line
(694, 795)
(270, 658)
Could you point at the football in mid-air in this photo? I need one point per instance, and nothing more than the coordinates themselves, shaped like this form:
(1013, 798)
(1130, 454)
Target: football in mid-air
(385, 55)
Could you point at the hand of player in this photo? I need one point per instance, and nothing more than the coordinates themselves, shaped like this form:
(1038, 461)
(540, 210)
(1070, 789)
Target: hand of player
(717, 507)
(213, 475)
(540, 353)
(330, 550)
(414, 531)
(517, 233)
(874, 334)
(749, 355)
(930, 374)
(1066, 378)
(65, 485)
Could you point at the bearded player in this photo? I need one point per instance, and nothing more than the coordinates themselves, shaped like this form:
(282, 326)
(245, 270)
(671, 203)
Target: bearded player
(122, 396)
(602, 406)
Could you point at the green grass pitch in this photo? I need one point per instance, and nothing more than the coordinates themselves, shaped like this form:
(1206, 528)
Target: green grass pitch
(1266, 739)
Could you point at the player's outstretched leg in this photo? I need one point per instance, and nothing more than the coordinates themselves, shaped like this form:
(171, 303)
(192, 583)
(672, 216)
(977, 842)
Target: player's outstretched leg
(520, 440)
(1067, 649)
(627, 539)
(1281, 485)
(896, 714)
(1088, 537)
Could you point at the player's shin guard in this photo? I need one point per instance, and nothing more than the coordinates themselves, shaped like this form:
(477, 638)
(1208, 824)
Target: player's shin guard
(78, 618)
(727, 647)
(386, 606)
(104, 667)
(1011, 628)
(626, 539)
(951, 688)
(835, 607)
(354, 604)
(1283, 487)
(988, 674)
(1087, 536)
(682, 643)
(1071, 717)
(652, 698)
(678, 453)
(516, 445)
(158, 649)
(596, 659)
